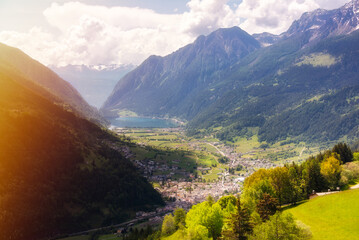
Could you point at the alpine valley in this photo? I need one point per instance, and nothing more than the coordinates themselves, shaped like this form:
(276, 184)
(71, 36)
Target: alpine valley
(301, 85)
(244, 120)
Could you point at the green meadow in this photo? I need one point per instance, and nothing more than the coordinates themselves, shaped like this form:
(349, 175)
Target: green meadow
(333, 216)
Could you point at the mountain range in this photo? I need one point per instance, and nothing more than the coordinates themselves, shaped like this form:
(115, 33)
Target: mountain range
(94, 83)
(301, 85)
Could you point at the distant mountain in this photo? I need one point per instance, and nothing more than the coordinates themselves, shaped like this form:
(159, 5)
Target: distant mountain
(319, 24)
(267, 39)
(167, 85)
(95, 83)
(48, 80)
(59, 173)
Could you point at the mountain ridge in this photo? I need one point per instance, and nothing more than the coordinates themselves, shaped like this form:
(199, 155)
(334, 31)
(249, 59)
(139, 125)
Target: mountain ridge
(319, 24)
(186, 70)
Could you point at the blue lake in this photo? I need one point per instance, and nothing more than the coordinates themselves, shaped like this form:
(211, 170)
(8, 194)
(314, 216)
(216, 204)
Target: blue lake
(142, 122)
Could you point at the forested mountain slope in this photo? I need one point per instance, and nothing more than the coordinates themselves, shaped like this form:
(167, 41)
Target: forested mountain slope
(58, 173)
(49, 80)
(310, 93)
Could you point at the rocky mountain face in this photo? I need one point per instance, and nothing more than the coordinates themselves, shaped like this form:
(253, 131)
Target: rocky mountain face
(162, 85)
(95, 83)
(319, 24)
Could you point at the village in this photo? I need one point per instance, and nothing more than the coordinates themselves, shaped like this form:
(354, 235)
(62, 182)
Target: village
(182, 188)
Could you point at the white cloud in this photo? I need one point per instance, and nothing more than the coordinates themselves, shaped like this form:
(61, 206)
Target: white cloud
(207, 15)
(276, 16)
(331, 4)
(273, 16)
(120, 35)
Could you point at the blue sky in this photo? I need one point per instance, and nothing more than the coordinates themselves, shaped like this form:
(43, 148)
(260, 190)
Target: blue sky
(92, 32)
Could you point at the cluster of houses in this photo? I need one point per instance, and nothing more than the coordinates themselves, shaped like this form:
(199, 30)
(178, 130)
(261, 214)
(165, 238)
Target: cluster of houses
(159, 172)
(182, 189)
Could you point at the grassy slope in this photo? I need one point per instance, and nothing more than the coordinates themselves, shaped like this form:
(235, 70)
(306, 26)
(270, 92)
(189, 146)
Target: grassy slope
(331, 217)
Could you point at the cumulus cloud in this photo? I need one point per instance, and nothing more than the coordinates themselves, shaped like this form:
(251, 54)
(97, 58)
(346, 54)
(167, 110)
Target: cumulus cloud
(273, 16)
(276, 16)
(206, 16)
(95, 35)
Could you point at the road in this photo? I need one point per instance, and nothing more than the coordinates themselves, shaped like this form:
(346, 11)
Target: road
(222, 153)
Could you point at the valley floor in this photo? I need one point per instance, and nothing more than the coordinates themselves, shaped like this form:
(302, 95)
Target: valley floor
(186, 170)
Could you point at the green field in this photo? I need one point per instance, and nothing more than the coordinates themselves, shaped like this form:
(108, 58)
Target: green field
(333, 216)
(174, 148)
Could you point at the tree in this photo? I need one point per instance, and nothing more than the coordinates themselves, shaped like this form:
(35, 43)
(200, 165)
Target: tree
(180, 217)
(350, 173)
(208, 215)
(356, 156)
(197, 232)
(224, 201)
(267, 206)
(214, 221)
(344, 151)
(279, 178)
(168, 225)
(239, 225)
(297, 182)
(330, 168)
(210, 199)
(252, 194)
(280, 227)
(314, 180)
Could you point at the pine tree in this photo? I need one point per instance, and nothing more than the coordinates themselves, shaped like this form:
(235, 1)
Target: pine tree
(239, 225)
(346, 154)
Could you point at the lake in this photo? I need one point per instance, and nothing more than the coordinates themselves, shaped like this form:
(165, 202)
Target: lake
(143, 122)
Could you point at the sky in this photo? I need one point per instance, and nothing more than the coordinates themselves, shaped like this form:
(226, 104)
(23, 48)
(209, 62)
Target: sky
(104, 32)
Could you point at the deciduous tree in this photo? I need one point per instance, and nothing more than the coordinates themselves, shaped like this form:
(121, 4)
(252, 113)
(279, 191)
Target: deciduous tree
(168, 225)
(330, 168)
(267, 206)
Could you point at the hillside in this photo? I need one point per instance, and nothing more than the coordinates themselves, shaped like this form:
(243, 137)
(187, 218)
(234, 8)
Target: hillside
(58, 172)
(331, 217)
(308, 94)
(49, 80)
